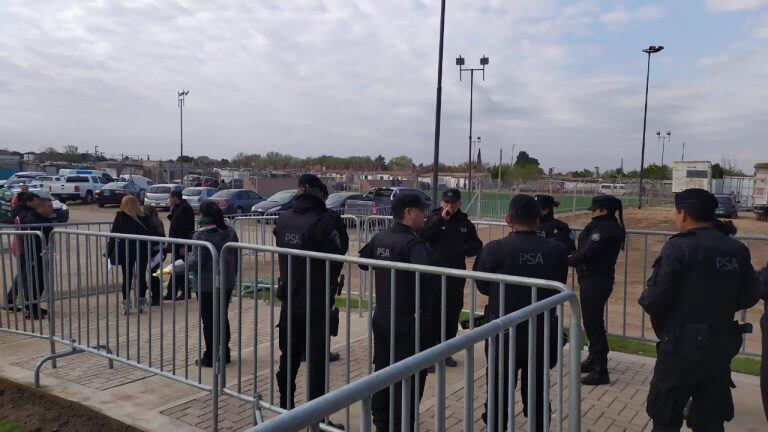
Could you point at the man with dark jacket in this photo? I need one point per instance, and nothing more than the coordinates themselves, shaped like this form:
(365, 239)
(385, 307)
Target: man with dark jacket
(182, 218)
(19, 215)
(521, 253)
(600, 243)
(699, 281)
(399, 243)
(549, 227)
(42, 213)
(307, 226)
(452, 237)
(763, 291)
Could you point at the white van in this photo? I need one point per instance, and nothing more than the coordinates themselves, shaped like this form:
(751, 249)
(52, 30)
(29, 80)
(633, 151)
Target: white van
(615, 189)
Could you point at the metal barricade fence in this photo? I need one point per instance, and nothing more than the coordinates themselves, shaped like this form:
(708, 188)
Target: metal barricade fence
(80, 226)
(304, 332)
(119, 314)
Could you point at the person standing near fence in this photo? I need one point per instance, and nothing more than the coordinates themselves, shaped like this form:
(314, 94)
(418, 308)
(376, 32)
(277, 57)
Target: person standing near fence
(600, 243)
(521, 253)
(701, 279)
(214, 230)
(452, 237)
(19, 215)
(182, 218)
(157, 256)
(131, 255)
(308, 226)
(399, 243)
(764, 332)
(39, 217)
(550, 227)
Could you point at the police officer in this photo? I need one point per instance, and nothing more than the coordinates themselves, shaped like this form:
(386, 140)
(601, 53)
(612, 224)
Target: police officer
(522, 253)
(452, 237)
(764, 333)
(550, 227)
(400, 243)
(307, 226)
(699, 281)
(599, 245)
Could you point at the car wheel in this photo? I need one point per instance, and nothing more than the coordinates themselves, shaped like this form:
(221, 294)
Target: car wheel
(239, 210)
(88, 197)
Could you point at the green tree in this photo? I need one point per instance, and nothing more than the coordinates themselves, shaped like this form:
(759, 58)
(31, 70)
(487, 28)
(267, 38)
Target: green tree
(380, 163)
(717, 171)
(523, 158)
(402, 163)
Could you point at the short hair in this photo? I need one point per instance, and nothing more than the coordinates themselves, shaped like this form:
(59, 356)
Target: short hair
(697, 212)
(176, 194)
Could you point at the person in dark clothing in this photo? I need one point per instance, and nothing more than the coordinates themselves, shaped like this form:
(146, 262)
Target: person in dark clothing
(399, 243)
(42, 213)
(307, 226)
(521, 253)
(699, 281)
(19, 215)
(182, 226)
(763, 292)
(600, 243)
(157, 229)
(550, 227)
(131, 255)
(214, 230)
(19, 197)
(452, 237)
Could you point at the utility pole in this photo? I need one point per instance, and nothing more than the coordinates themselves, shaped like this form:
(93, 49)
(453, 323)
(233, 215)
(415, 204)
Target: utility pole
(182, 95)
(650, 50)
(498, 189)
(438, 102)
(460, 63)
(682, 159)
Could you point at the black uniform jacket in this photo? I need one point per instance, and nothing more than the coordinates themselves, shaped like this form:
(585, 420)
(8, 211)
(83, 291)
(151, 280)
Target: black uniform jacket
(182, 219)
(451, 241)
(599, 246)
(550, 227)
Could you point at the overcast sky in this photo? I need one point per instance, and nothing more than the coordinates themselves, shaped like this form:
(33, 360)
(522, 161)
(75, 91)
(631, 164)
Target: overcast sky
(307, 77)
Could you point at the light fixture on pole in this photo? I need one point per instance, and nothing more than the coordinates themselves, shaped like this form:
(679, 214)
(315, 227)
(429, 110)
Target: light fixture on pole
(182, 95)
(650, 50)
(460, 63)
(663, 141)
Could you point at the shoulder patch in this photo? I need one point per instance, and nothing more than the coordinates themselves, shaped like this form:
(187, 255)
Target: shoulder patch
(595, 237)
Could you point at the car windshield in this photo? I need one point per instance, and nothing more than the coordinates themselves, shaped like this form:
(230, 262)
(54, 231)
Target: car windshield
(224, 194)
(335, 199)
(77, 179)
(16, 181)
(160, 189)
(724, 200)
(115, 185)
(282, 197)
(191, 192)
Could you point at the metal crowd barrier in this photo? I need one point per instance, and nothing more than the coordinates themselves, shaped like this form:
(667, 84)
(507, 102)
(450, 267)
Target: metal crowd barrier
(254, 314)
(80, 226)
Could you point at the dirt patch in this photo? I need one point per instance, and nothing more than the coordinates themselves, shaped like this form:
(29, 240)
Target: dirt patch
(37, 411)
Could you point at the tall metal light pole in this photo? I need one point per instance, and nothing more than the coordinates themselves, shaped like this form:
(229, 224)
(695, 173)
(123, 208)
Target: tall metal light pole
(182, 95)
(650, 50)
(460, 63)
(438, 103)
(663, 141)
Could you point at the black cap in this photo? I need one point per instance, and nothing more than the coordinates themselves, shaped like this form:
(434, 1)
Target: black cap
(607, 202)
(311, 181)
(406, 200)
(524, 206)
(452, 196)
(547, 201)
(701, 199)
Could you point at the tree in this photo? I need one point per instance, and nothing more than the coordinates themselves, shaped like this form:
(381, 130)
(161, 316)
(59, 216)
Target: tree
(402, 163)
(657, 172)
(380, 162)
(717, 171)
(523, 158)
(184, 158)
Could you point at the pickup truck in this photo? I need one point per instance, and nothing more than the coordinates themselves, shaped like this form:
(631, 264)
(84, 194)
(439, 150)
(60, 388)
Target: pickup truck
(378, 201)
(77, 187)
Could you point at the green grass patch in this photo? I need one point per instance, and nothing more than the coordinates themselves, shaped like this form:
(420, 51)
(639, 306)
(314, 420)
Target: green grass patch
(10, 426)
(340, 302)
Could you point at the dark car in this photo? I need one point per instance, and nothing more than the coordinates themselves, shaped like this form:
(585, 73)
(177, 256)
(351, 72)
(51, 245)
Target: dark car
(113, 193)
(277, 203)
(235, 201)
(60, 210)
(337, 201)
(727, 206)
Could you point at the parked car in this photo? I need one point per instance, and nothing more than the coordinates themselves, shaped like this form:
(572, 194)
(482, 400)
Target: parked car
(113, 193)
(378, 201)
(157, 196)
(28, 175)
(337, 201)
(60, 210)
(195, 195)
(16, 183)
(235, 201)
(49, 181)
(78, 187)
(86, 172)
(277, 203)
(141, 181)
(727, 206)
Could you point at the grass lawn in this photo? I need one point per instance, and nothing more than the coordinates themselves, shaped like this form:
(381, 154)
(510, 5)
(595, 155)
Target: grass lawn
(495, 203)
(10, 426)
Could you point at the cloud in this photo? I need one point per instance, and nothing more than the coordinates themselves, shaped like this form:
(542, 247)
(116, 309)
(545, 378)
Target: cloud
(620, 16)
(735, 5)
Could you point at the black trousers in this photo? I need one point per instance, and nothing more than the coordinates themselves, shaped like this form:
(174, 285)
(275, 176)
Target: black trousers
(315, 359)
(521, 366)
(130, 266)
(405, 340)
(594, 294)
(454, 303)
(29, 283)
(764, 363)
(206, 316)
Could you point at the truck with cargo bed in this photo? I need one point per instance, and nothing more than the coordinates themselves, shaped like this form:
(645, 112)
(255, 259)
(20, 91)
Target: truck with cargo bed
(691, 174)
(760, 192)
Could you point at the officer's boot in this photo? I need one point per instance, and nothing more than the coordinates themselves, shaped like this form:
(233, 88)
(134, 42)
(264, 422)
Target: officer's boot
(588, 364)
(598, 375)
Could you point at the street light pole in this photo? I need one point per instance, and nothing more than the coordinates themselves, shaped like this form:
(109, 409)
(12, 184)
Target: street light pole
(182, 95)
(650, 50)
(460, 63)
(438, 103)
(663, 145)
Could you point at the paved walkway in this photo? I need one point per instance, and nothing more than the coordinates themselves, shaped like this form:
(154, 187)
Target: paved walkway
(155, 403)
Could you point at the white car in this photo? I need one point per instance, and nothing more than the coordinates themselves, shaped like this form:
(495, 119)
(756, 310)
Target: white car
(77, 187)
(157, 196)
(195, 195)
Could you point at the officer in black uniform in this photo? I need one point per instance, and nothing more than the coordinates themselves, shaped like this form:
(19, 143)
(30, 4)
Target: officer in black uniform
(400, 243)
(308, 226)
(764, 332)
(522, 253)
(550, 227)
(595, 260)
(699, 281)
(452, 237)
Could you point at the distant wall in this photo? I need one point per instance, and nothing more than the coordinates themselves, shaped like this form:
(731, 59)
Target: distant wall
(270, 185)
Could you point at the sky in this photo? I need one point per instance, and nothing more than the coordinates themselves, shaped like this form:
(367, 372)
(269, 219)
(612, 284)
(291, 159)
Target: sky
(566, 79)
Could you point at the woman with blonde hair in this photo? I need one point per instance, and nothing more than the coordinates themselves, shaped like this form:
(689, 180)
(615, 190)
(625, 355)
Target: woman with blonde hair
(131, 255)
